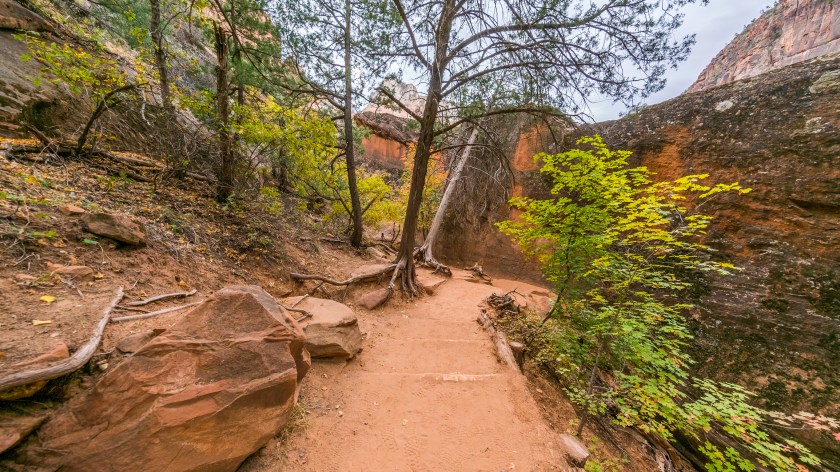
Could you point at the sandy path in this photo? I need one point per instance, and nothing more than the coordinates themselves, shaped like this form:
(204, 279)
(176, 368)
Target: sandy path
(427, 393)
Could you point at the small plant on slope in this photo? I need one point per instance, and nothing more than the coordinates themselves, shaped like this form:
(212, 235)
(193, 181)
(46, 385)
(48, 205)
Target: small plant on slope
(620, 249)
(101, 79)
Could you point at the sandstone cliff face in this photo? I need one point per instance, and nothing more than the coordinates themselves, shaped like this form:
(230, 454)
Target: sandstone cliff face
(792, 31)
(774, 326)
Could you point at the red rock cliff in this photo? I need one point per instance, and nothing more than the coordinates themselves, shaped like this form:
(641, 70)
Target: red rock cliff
(774, 326)
(790, 32)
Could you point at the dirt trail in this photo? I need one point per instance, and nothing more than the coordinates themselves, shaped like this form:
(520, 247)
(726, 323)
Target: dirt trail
(427, 393)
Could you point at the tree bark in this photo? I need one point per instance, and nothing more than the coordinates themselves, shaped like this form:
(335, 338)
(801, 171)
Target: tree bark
(405, 256)
(224, 186)
(349, 149)
(425, 254)
(160, 59)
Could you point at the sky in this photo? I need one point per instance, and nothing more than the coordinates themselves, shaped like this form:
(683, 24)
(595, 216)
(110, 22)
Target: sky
(715, 25)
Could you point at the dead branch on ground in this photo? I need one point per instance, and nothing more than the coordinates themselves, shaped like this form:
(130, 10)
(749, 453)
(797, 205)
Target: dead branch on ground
(162, 297)
(72, 363)
(478, 271)
(154, 313)
(503, 349)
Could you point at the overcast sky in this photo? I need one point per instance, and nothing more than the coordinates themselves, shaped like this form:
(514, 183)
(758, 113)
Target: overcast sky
(715, 25)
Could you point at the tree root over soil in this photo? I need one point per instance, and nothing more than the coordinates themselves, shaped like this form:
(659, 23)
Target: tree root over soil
(425, 258)
(341, 283)
(72, 363)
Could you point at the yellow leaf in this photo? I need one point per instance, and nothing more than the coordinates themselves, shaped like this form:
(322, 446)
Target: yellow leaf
(47, 299)
(182, 283)
(41, 322)
(98, 276)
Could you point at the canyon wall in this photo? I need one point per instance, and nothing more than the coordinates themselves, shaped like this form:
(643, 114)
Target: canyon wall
(792, 31)
(773, 326)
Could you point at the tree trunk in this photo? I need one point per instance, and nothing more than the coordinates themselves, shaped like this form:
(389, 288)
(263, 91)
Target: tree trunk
(160, 59)
(425, 255)
(349, 149)
(224, 186)
(168, 122)
(405, 256)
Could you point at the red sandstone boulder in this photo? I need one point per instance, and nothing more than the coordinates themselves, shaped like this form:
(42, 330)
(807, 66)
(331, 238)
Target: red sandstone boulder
(117, 227)
(202, 396)
(14, 428)
(69, 209)
(375, 298)
(332, 330)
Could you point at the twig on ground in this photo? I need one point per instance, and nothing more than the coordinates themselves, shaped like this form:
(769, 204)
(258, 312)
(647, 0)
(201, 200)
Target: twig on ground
(154, 313)
(162, 297)
(128, 308)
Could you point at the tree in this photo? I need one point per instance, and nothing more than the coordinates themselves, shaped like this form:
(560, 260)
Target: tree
(247, 51)
(336, 43)
(552, 56)
(425, 254)
(94, 76)
(620, 250)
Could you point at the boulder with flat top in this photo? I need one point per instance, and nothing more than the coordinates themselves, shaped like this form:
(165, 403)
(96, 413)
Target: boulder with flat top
(332, 330)
(203, 396)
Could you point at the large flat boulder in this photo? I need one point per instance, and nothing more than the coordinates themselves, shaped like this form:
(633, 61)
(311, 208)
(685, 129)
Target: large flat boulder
(117, 227)
(332, 330)
(202, 396)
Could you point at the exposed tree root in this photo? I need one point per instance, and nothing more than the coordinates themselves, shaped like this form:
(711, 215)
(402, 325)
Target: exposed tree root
(478, 271)
(72, 363)
(341, 283)
(425, 258)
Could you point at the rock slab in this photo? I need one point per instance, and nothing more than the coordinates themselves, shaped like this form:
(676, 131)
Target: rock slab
(374, 298)
(430, 282)
(332, 330)
(117, 227)
(13, 429)
(202, 396)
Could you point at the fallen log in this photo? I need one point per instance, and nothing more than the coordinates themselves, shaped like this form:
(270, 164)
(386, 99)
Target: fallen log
(161, 297)
(130, 160)
(154, 313)
(72, 363)
(503, 350)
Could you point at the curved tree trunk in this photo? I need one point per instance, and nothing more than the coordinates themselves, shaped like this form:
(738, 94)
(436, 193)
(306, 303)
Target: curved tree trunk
(405, 256)
(425, 255)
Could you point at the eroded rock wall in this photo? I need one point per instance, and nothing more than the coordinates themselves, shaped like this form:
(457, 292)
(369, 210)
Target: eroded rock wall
(790, 32)
(774, 326)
